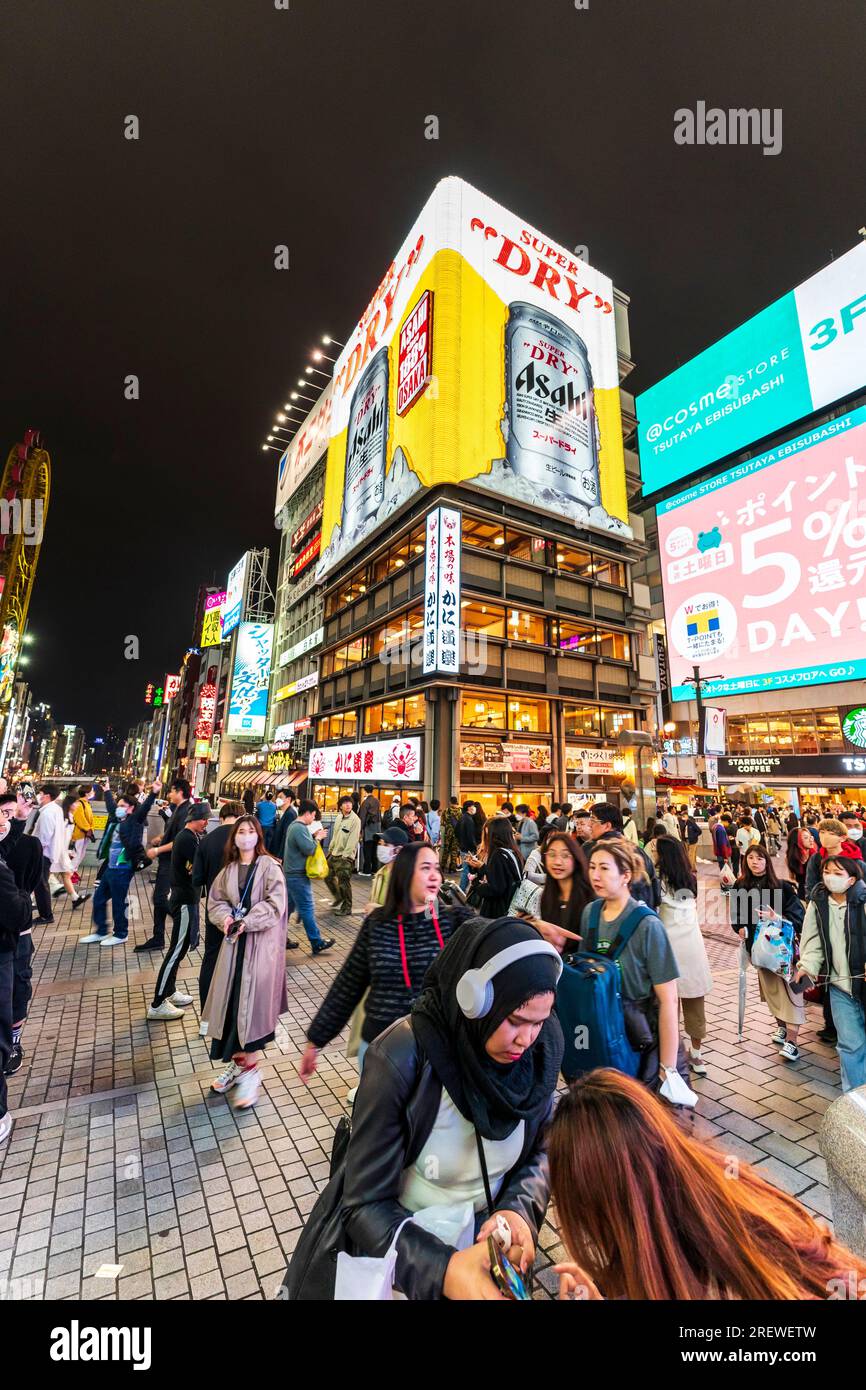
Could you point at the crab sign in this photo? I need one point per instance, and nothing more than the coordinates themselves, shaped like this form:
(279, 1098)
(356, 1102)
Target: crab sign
(401, 760)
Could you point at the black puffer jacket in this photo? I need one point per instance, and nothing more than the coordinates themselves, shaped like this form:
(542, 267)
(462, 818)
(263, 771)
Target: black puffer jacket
(375, 962)
(359, 1211)
(746, 904)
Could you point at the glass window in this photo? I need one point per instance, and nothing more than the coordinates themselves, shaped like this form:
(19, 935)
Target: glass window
(525, 627)
(780, 734)
(613, 645)
(415, 714)
(482, 617)
(574, 637)
(614, 720)
(351, 654)
(323, 730)
(803, 733)
(327, 665)
(529, 716)
(737, 736)
(609, 571)
(399, 633)
(759, 736)
(573, 561)
(488, 535)
(829, 731)
(394, 715)
(532, 549)
(481, 713)
(581, 721)
(344, 725)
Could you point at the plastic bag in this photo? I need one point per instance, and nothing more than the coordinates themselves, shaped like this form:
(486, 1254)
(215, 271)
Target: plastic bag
(773, 947)
(317, 864)
(365, 1279)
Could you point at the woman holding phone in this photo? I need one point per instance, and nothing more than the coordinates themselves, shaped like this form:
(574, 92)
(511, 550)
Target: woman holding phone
(247, 901)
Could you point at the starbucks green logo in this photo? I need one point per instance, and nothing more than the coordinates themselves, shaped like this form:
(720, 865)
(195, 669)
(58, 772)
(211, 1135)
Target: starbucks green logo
(854, 726)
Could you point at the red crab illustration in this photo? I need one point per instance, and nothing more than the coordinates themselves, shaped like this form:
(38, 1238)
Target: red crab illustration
(401, 760)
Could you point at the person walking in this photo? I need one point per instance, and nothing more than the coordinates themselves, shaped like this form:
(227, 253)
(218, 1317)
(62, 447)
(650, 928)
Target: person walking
(648, 1212)
(721, 842)
(15, 916)
(345, 836)
(124, 844)
(689, 835)
(760, 897)
(527, 831)
(266, 813)
(678, 913)
(433, 821)
(22, 854)
(452, 1106)
(833, 838)
(179, 794)
(390, 842)
(800, 849)
(370, 816)
(391, 955)
(497, 878)
(606, 824)
(288, 812)
(82, 828)
(51, 830)
(450, 858)
(209, 860)
(565, 892)
(298, 848)
(833, 946)
(247, 993)
(169, 1002)
(467, 841)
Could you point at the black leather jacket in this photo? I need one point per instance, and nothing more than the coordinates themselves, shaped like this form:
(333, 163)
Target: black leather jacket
(395, 1110)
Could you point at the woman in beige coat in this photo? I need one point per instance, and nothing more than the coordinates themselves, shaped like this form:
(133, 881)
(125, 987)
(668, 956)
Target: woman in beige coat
(247, 901)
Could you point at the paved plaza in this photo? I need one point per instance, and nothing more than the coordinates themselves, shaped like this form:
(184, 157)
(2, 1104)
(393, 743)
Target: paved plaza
(125, 1177)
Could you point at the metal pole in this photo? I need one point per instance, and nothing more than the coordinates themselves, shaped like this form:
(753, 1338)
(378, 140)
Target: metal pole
(697, 673)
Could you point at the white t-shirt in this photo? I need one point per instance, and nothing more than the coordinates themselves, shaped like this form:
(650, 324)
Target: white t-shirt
(447, 1172)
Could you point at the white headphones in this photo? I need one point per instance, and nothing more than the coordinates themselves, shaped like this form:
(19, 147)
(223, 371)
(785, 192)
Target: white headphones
(475, 988)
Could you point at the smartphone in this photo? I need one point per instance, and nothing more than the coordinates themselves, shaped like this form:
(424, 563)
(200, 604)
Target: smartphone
(509, 1281)
(804, 983)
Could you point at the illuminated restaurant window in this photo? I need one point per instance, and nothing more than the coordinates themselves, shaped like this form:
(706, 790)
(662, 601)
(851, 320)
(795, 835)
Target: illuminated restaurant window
(525, 627)
(609, 572)
(394, 715)
(529, 716)
(481, 713)
(399, 555)
(488, 535)
(522, 547)
(482, 617)
(351, 654)
(780, 734)
(581, 721)
(613, 721)
(759, 735)
(613, 645)
(574, 637)
(337, 726)
(803, 733)
(399, 633)
(737, 736)
(573, 561)
(829, 730)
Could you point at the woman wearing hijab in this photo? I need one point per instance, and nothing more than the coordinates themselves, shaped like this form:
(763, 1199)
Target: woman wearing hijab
(471, 1071)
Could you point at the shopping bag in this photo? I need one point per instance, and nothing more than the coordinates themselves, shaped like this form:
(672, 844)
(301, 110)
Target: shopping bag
(773, 947)
(317, 864)
(370, 1280)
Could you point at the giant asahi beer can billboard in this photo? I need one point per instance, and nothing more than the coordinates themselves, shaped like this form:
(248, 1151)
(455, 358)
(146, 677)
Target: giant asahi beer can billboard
(488, 357)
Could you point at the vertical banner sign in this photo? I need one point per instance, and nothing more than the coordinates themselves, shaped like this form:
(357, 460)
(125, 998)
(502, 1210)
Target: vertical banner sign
(442, 591)
(714, 731)
(713, 773)
(172, 686)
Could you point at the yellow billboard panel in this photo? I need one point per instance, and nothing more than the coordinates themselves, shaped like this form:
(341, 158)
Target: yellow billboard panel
(486, 357)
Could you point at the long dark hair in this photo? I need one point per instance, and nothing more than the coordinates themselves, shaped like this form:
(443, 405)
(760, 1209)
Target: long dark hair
(398, 899)
(232, 853)
(793, 858)
(581, 890)
(501, 836)
(674, 867)
(540, 818)
(767, 879)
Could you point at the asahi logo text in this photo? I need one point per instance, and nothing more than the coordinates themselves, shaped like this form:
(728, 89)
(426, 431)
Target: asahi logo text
(22, 518)
(736, 126)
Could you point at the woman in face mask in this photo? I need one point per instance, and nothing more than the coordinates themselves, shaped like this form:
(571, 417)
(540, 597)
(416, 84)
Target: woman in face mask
(833, 948)
(391, 955)
(759, 896)
(388, 845)
(248, 991)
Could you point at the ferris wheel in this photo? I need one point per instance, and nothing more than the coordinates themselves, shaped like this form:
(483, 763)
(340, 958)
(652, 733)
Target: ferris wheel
(24, 496)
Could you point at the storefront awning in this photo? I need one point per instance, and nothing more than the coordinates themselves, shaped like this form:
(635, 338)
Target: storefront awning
(260, 779)
(297, 778)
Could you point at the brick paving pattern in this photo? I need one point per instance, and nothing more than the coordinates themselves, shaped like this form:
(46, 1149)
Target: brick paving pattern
(125, 1177)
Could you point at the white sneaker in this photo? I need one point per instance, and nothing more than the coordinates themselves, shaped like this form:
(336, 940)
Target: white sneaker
(697, 1063)
(165, 1010)
(227, 1078)
(202, 1028)
(780, 1035)
(180, 1000)
(91, 939)
(114, 941)
(247, 1092)
(350, 1095)
(790, 1052)
(5, 1127)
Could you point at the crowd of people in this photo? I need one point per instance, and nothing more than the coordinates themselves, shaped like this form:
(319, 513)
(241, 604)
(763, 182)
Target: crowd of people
(458, 992)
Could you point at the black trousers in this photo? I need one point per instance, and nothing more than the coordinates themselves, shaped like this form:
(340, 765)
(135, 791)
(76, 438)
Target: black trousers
(42, 893)
(213, 940)
(22, 978)
(7, 974)
(369, 851)
(181, 927)
(161, 896)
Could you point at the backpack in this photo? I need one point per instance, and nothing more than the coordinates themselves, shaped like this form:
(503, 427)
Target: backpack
(589, 1002)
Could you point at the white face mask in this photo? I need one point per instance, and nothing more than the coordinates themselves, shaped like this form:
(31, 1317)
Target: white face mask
(245, 841)
(280, 803)
(122, 811)
(836, 883)
(855, 832)
(386, 853)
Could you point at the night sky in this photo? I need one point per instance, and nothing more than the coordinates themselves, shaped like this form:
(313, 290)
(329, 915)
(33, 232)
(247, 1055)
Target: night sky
(261, 126)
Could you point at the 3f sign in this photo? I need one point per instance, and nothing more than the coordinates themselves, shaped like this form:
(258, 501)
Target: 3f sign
(826, 329)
